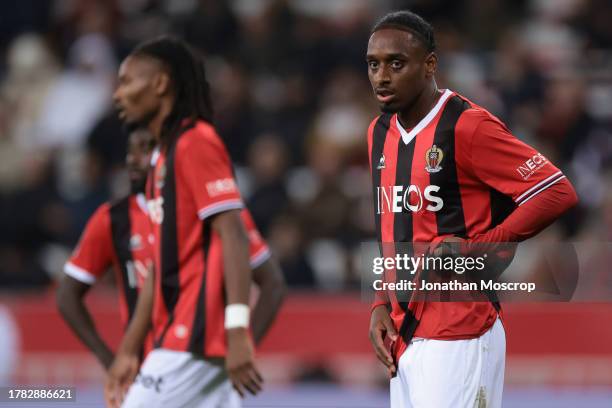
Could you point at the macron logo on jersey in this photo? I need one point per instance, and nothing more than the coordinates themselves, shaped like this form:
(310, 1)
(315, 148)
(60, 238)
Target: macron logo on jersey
(531, 165)
(396, 199)
(221, 186)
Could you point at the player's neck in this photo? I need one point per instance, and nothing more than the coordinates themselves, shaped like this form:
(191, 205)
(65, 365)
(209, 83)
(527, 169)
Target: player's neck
(411, 116)
(156, 124)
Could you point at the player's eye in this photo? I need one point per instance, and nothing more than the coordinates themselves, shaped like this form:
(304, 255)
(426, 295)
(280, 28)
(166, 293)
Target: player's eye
(373, 64)
(397, 64)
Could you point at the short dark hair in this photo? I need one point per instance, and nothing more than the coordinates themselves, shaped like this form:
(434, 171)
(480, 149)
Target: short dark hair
(408, 21)
(188, 75)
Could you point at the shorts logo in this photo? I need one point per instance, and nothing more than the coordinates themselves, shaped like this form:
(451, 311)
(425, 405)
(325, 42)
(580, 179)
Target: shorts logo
(531, 165)
(381, 163)
(433, 158)
(148, 381)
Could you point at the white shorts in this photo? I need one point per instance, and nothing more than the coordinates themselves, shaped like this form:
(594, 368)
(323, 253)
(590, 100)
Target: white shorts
(452, 373)
(178, 379)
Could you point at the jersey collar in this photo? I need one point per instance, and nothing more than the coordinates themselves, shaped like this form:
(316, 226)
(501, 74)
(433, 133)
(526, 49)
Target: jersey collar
(408, 136)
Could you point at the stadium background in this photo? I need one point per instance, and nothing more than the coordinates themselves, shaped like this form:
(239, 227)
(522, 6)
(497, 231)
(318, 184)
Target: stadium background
(293, 102)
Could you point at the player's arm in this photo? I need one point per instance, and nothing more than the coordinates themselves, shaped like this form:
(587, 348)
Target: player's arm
(70, 298)
(125, 366)
(381, 325)
(240, 360)
(541, 192)
(269, 278)
(90, 260)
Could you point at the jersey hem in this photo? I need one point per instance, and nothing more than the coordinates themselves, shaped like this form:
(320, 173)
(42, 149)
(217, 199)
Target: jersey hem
(219, 207)
(260, 257)
(79, 273)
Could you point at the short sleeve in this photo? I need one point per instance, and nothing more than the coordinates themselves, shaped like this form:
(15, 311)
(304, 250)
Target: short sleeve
(203, 163)
(509, 165)
(94, 253)
(258, 249)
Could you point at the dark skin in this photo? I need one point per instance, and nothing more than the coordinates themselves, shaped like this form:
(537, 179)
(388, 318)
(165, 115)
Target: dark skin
(71, 292)
(145, 96)
(402, 74)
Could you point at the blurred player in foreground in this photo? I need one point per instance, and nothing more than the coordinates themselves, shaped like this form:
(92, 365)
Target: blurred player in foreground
(198, 300)
(118, 235)
(460, 175)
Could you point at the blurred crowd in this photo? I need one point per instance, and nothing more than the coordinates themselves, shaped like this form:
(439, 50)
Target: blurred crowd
(293, 102)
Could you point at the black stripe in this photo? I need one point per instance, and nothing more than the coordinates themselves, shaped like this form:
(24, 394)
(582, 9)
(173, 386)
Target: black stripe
(197, 343)
(501, 207)
(450, 219)
(402, 222)
(121, 230)
(378, 146)
(170, 284)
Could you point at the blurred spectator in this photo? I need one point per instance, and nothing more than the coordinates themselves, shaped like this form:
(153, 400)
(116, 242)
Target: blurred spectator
(80, 96)
(286, 241)
(268, 163)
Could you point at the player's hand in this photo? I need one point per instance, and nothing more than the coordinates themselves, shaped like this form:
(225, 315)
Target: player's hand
(381, 326)
(240, 362)
(120, 376)
(450, 246)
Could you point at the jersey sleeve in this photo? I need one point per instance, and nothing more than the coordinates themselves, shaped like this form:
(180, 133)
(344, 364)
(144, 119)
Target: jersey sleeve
(509, 165)
(258, 249)
(204, 164)
(94, 252)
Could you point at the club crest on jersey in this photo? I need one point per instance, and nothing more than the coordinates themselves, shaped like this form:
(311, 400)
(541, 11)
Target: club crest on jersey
(433, 158)
(381, 163)
(161, 176)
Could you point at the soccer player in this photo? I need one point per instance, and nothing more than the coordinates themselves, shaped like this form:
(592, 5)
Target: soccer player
(445, 170)
(198, 297)
(117, 236)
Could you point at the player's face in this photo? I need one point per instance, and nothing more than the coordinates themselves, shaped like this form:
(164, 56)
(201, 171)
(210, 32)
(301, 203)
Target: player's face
(399, 68)
(137, 98)
(138, 158)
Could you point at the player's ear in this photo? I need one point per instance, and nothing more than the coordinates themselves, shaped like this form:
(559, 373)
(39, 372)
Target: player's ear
(431, 64)
(161, 83)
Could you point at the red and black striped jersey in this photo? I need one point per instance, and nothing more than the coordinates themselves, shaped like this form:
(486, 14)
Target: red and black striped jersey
(191, 181)
(459, 172)
(119, 235)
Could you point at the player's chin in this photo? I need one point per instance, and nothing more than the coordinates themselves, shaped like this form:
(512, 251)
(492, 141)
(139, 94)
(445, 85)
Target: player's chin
(388, 107)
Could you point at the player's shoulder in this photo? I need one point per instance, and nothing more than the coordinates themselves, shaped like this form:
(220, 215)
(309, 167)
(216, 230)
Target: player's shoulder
(473, 115)
(473, 110)
(101, 216)
(200, 134)
(383, 121)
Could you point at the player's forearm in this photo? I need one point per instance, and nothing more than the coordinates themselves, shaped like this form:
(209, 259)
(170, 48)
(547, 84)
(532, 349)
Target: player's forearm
(76, 315)
(140, 324)
(272, 292)
(237, 271)
(533, 216)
